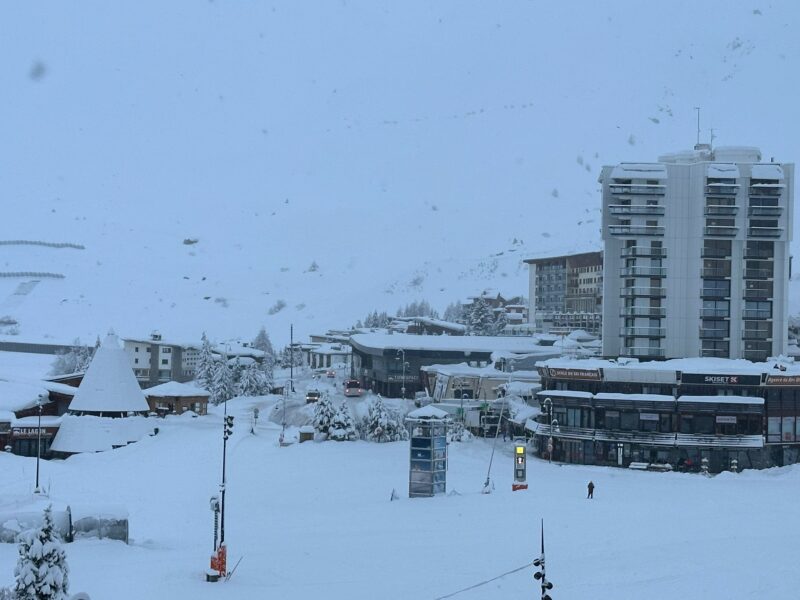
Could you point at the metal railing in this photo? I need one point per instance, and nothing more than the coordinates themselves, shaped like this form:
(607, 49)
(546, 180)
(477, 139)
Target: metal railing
(646, 292)
(755, 313)
(642, 351)
(636, 229)
(643, 251)
(643, 311)
(772, 232)
(643, 272)
(637, 188)
(721, 209)
(765, 211)
(758, 273)
(715, 272)
(715, 313)
(643, 331)
(725, 230)
(635, 209)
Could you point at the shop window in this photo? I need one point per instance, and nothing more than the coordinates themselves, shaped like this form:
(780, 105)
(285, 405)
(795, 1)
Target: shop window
(629, 421)
(612, 420)
(774, 429)
(788, 429)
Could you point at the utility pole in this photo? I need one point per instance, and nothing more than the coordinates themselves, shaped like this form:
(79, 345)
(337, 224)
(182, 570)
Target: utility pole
(291, 355)
(540, 574)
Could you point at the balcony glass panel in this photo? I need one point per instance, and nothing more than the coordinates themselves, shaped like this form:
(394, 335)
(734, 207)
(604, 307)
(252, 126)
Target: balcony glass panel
(636, 230)
(643, 272)
(771, 232)
(635, 209)
(643, 251)
(719, 230)
(651, 292)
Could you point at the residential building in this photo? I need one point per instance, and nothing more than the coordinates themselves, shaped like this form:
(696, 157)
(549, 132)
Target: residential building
(155, 360)
(566, 292)
(697, 256)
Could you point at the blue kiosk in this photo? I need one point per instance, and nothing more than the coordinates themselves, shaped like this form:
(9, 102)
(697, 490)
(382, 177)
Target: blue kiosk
(428, 463)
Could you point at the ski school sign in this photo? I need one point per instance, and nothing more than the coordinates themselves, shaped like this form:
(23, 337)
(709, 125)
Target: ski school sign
(715, 379)
(558, 373)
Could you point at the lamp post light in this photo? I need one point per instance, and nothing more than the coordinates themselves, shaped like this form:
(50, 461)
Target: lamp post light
(402, 353)
(38, 444)
(548, 406)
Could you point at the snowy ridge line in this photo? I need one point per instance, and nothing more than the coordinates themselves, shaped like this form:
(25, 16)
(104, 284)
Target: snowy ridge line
(31, 274)
(472, 587)
(37, 243)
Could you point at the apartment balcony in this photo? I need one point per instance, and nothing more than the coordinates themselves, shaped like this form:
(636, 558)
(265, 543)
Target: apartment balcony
(764, 211)
(643, 311)
(714, 253)
(758, 274)
(715, 273)
(772, 190)
(711, 333)
(643, 251)
(721, 230)
(721, 209)
(759, 254)
(638, 189)
(714, 353)
(754, 314)
(642, 352)
(769, 232)
(635, 209)
(757, 334)
(643, 292)
(722, 189)
(648, 332)
(713, 293)
(757, 294)
(636, 230)
(643, 272)
(715, 313)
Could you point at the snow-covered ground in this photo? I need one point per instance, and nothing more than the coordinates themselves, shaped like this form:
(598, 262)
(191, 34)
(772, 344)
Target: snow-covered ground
(314, 520)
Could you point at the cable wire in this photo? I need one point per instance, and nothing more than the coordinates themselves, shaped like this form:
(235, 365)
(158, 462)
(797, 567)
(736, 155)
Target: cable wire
(472, 587)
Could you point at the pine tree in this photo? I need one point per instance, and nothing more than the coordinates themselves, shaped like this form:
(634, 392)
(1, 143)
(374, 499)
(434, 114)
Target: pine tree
(342, 428)
(500, 323)
(383, 424)
(205, 365)
(267, 378)
(454, 313)
(249, 381)
(222, 383)
(41, 572)
(263, 343)
(324, 414)
(480, 318)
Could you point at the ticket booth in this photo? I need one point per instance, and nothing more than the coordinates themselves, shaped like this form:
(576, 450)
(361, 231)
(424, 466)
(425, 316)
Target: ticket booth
(428, 452)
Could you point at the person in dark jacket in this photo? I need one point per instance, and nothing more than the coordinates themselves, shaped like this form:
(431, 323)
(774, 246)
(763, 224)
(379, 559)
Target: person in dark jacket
(590, 487)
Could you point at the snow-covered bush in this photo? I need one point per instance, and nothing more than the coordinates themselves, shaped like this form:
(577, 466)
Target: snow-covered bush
(342, 429)
(41, 572)
(324, 414)
(383, 424)
(456, 432)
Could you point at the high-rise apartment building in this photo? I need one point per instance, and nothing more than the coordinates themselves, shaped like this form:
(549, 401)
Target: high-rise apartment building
(697, 255)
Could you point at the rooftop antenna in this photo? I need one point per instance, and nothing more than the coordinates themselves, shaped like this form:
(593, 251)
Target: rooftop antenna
(697, 108)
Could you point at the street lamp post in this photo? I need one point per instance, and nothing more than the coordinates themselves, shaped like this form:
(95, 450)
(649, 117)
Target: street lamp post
(38, 444)
(548, 406)
(403, 383)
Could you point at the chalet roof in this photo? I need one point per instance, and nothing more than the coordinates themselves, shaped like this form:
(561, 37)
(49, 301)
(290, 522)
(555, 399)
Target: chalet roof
(16, 396)
(109, 384)
(98, 434)
(174, 389)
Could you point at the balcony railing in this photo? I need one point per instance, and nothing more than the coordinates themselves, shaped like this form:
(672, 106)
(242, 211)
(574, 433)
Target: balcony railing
(715, 272)
(642, 351)
(765, 211)
(765, 189)
(723, 230)
(635, 209)
(714, 352)
(636, 230)
(712, 292)
(757, 334)
(757, 294)
(721, 209)
(758, 273)
(637, 188)
(643, 331)
(645, 292)
(722, 189)
(643, 272)
(759, 254)
(709, 333)
(754, 313)
(715, 313)
(715, 253)
(771, 232)
(643, 311)
(643, 251)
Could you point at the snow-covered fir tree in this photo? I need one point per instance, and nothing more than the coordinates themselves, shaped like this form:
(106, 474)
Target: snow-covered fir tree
(382, 424)
(454, 313)
(500, 323)
(41, 572)
(205, 365)
(343, 429)
(252, 382)
(291, 357)
(267, 377)
(418, 309)
(481, 318)
(263, 343)
(324, 414)
(74, 360)
(222, 388)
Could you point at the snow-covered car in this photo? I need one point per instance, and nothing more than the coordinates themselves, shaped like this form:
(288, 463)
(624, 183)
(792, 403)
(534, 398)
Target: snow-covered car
(312, 396)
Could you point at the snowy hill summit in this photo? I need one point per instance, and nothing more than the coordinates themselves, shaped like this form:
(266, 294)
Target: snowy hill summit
(220, 167)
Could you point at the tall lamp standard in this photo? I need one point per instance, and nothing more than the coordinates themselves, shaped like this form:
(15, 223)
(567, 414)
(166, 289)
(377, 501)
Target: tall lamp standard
(38, 444)
(548, 406)
(405, 364)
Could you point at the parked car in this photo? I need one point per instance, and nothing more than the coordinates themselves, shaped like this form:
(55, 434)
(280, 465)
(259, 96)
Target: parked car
(330, 373)
(312, 396)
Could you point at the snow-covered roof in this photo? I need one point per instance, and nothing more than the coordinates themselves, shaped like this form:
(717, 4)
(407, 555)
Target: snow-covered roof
(471, 343)
(98, 434)
(639, 171)
(634, 397)
(16, 396)
(722, 399)
(109, 384)
(428, 412)
(722, 171)
(766, 171)
(723, 366)
(175, 389)
(520, 388)
(564, 394)
(465, 370)
(332, 349)
(232, 349)
(47, 421)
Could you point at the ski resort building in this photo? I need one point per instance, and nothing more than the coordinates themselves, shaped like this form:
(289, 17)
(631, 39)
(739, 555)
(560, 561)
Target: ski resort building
(669, 414)
(697, 258)
(109, 408)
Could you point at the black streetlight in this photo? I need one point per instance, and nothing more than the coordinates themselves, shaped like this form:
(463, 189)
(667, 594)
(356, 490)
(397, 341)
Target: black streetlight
(548, 406)
(540, 574)
(227, 431)
(39, 402)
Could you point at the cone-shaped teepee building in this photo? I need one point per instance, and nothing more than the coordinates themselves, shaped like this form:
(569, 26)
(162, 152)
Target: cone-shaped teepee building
(109, 407)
